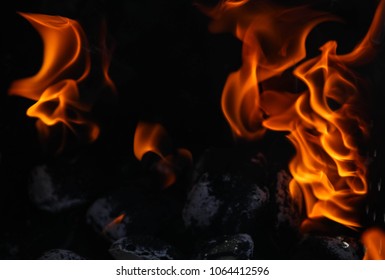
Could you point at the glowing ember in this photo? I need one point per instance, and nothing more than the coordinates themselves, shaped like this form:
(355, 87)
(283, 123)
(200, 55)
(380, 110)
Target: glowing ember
(325, 122)
(153, 138)
(54, 88)
(374, 242)
(118, 220)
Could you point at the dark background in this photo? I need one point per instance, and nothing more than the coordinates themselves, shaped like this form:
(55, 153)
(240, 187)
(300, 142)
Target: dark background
(167, 68)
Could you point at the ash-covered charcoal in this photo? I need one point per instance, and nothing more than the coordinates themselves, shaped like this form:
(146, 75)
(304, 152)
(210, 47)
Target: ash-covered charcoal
(328, 248)
(225, 204)
(60, 254)
(228, 247)
(132, 211)
(63, 185)
(49, 194)
(143, 247)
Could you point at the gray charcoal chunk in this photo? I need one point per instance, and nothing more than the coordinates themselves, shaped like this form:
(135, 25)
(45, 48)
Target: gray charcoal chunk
(202, 206)
(101, 216)
(287, 212)
(60, 254)
(329, 248)
(142, 248)
(49, 195)
(130, 212)
(224, 204)
(230, 247)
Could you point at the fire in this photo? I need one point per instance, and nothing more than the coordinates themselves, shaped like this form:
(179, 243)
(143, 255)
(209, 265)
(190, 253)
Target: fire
(374, 242)
(106, 59)
(154, 138)
(116, 221)
(65, 64)
(273, 40)
(325, 122)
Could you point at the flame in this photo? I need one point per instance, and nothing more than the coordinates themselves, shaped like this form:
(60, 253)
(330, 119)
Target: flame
(53, 88)
(106, 59)
(273, 41)
(373, 240)
(328, 172)
(154, 138)
(118, 220)
(325, 122)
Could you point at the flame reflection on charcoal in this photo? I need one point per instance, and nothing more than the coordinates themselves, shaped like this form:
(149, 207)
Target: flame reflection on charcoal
(374, 242)
(153, 138)
(326, 121)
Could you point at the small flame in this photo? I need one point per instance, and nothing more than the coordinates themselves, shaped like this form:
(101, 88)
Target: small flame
(374, 242)
(118, 220)
(325, 122)
(56, 94)
(106, 58)
(154, 138)
(149, 138)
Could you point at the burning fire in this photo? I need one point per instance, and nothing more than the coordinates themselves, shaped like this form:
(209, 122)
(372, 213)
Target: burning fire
(325, 122)
(66, 63)
(374, 242)
(154, 138)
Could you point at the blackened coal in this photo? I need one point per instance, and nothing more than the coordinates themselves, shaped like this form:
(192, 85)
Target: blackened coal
(60, 254)
(374, 203)
(314, 247)
(225, 204)
(132, 211)
(144, 247)
(229, 247)
(285, 217)
(287, 212)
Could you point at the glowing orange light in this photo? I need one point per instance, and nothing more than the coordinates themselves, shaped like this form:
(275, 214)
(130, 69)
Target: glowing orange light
(329, 173)
(273, 40)
(374, 242)
(154, 138)
(118, 220)
(54, 87)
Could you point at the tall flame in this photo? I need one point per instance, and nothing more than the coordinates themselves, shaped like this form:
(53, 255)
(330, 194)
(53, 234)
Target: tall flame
(54, 89)
(329, 173)
(153, 138)
(325, 122)
(373, 240)
(273, 40)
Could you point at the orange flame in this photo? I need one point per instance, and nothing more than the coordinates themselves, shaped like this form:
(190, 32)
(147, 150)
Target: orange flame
(106, 59)
(118, 220)
(374, 242)
(154, 138)
(329, 174)
(57, 96)
(273, 40)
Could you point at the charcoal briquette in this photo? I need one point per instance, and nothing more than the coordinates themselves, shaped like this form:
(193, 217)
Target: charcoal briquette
(145, 247)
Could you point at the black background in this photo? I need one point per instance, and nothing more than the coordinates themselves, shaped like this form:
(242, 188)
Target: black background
(167, 68)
